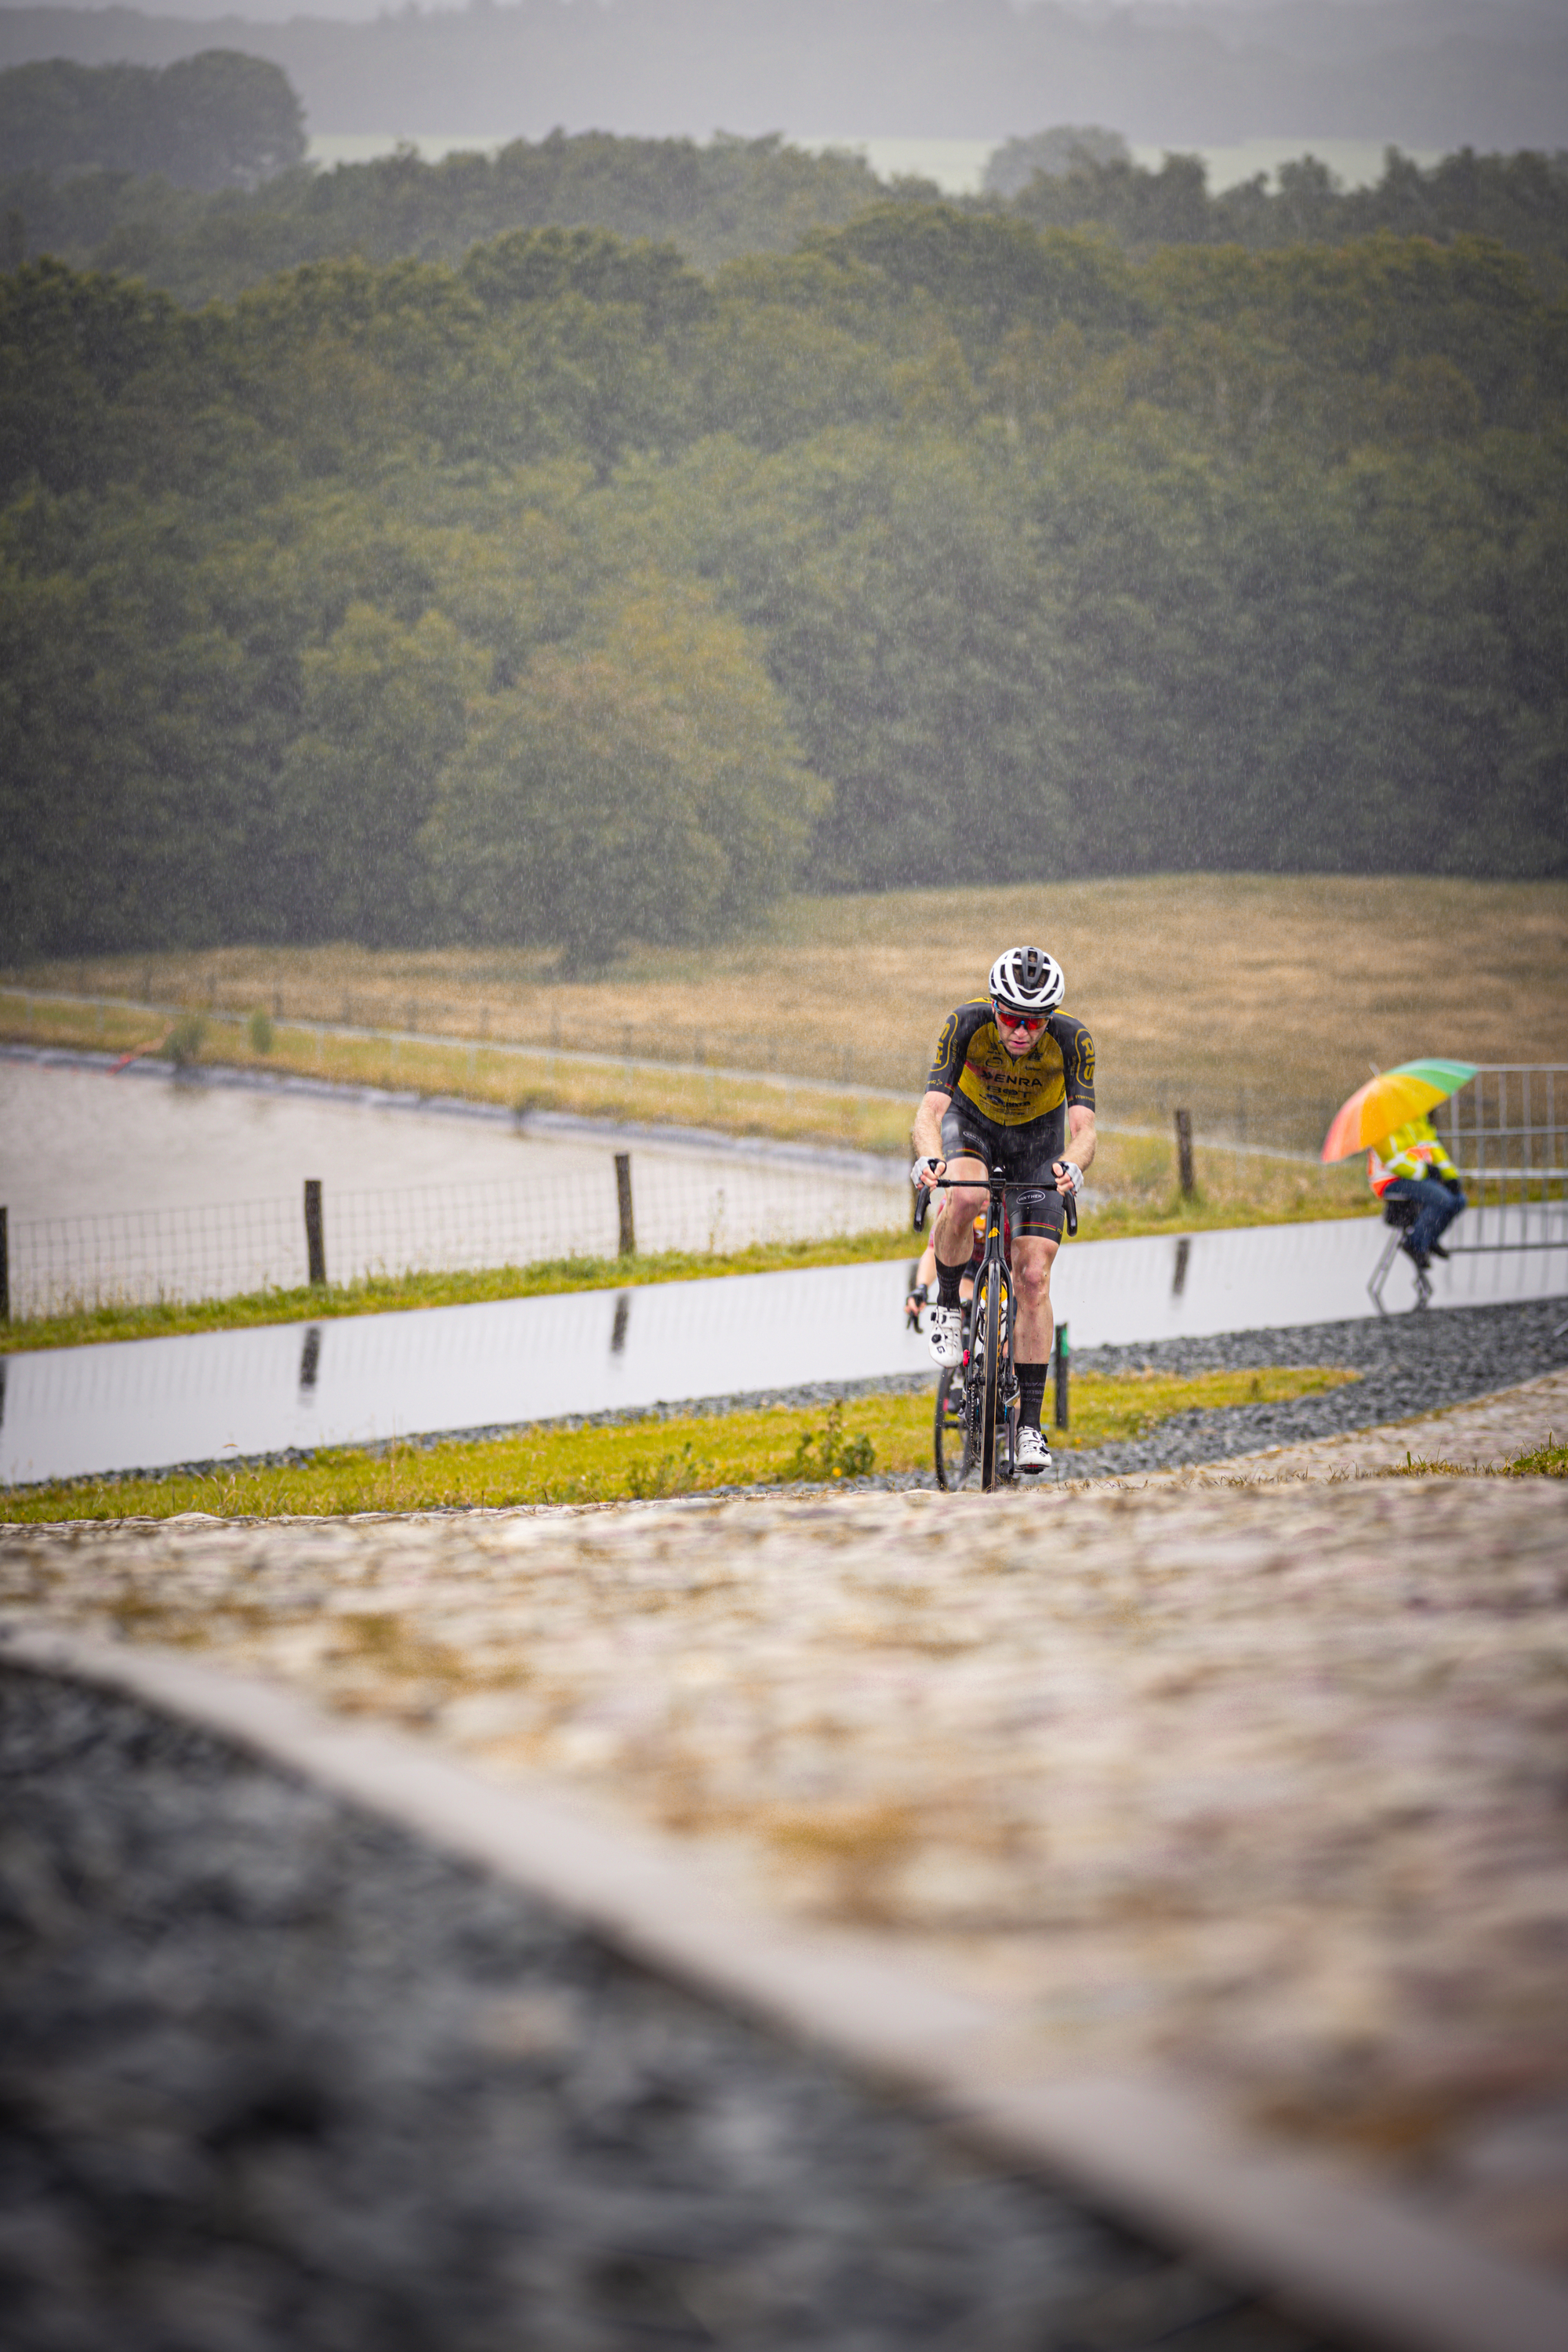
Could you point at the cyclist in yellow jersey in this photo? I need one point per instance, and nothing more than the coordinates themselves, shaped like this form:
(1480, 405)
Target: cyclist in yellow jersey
(1011, 1088)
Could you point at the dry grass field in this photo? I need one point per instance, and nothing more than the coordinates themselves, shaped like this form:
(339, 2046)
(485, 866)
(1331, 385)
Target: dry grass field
(1259, 1001)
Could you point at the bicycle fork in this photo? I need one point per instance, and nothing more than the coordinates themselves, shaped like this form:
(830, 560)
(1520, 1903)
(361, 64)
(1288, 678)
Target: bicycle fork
(1009, 1391)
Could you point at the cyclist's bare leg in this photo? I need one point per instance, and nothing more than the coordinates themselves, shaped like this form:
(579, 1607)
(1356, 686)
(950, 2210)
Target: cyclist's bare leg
(955, 1218)
(1033, 1254)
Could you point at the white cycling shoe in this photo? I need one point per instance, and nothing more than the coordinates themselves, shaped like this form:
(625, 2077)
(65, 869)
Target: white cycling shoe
(1034, 1455)
(946, 1336)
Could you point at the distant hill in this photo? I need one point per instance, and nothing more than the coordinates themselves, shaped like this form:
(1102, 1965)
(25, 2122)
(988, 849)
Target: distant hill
(1433, 74)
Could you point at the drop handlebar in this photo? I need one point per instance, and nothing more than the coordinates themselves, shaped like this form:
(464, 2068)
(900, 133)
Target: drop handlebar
(994, 1184)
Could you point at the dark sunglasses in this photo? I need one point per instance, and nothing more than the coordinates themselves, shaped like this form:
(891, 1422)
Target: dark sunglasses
(1018, 1020)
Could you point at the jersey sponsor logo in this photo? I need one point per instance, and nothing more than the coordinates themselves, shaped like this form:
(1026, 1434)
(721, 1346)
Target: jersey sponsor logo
(973, 1061)
(1012, 1089)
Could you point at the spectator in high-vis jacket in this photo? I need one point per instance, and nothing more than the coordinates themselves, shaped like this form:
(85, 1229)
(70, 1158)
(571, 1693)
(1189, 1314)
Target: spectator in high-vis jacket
(1412, 1165)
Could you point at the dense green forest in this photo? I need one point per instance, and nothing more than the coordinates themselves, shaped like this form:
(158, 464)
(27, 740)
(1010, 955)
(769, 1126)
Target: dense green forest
(717, 202)
(729, 198)
(219, 119)
(566, 595)
(1520, 200)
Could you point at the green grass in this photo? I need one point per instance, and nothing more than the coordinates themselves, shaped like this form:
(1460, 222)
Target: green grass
(1548, 1461)
(1209, 1210)
(636, 1460)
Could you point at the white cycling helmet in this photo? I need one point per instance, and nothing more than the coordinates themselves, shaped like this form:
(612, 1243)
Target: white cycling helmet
(1026, 980)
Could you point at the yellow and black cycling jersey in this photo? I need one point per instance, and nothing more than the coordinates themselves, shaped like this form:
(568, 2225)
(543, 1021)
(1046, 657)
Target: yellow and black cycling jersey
(1011, 1089)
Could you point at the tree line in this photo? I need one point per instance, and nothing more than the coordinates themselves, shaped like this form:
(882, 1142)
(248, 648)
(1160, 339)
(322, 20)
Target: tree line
(568, 595)
(218, 119)
(716, 201)
(1520, 200)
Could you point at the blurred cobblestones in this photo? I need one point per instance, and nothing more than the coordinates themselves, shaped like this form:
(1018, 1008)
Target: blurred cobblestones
(1262, 1781)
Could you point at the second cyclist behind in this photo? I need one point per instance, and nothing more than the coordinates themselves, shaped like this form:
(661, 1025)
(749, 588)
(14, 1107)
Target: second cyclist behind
(1011, 1087)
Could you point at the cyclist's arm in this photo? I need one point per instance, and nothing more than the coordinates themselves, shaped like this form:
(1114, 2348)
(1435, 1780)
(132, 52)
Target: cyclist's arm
(1082, 1141)
(1077, 1061)
(926, 1132)
(941, 1085)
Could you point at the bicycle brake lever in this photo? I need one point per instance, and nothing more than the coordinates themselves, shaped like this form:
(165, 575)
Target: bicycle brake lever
(1071, 1206)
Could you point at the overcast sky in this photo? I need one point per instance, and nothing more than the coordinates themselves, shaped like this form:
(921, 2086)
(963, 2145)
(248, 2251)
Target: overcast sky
(1429, 76)
(1402, 12)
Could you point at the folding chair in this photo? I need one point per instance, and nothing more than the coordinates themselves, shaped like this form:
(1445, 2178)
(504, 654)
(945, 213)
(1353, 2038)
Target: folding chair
(1399, 1216)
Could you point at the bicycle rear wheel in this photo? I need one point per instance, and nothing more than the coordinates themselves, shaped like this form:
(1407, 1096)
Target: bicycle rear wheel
(985, 1366)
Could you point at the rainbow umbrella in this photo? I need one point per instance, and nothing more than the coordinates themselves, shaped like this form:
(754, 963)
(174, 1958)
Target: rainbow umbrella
(1386, 1102)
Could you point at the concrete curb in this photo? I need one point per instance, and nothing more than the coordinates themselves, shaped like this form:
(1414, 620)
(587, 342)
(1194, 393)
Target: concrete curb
(1347, 2253)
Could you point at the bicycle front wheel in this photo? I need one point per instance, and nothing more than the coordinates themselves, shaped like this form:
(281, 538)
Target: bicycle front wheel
(953, 1433)
(989, 1371)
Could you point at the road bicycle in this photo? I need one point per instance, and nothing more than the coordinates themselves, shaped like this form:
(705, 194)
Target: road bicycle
(975, 1427)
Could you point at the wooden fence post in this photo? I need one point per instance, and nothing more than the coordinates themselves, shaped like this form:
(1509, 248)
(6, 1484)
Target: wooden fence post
(624, 1202)
(1059, 1357)
(315, 1247)
(1185, 1153)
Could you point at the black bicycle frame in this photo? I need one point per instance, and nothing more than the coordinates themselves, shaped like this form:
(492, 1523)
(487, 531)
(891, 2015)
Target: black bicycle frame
(990, 1275)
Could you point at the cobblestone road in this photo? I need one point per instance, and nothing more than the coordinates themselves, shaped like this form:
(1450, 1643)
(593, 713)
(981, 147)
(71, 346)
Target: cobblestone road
(1260, 1781)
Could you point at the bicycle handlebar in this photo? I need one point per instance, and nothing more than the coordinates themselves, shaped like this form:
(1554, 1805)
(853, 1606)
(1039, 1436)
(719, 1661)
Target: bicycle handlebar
(1004, 1183)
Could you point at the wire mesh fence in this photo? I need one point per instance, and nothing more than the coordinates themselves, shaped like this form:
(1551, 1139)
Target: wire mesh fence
(138, 1255)
(184, 1255)
(1505, 1134)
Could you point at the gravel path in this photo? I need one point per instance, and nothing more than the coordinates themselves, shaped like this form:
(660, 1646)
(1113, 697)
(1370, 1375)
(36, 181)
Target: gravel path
(274, 2075)
(1486, 1433)
(1407, 1364)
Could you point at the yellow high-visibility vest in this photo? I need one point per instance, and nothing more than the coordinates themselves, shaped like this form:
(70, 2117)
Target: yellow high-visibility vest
(1412, 1150)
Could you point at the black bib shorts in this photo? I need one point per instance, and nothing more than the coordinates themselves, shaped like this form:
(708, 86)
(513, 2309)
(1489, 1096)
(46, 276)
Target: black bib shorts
(1024, 1154)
